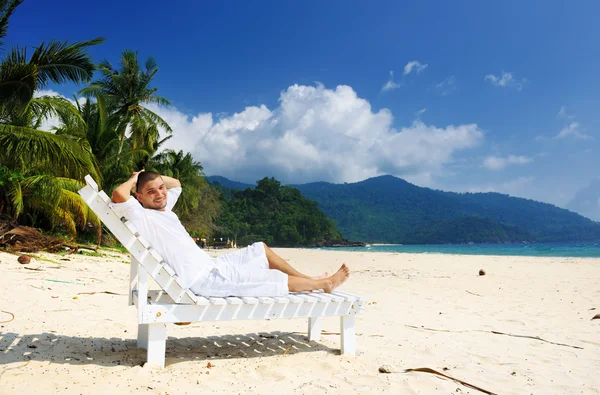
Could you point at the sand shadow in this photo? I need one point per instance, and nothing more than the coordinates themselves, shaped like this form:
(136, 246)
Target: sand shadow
(114, 351)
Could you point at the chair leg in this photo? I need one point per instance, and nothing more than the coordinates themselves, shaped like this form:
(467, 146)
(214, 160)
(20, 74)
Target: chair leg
(142, 339)
(348, 335)
(314, 328)
(157, 339)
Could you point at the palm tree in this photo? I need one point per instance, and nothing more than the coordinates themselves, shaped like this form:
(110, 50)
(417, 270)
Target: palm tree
(126, 90)
(50, 164)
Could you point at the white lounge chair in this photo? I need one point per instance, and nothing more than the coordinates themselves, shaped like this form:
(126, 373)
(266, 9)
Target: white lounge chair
(175, 304)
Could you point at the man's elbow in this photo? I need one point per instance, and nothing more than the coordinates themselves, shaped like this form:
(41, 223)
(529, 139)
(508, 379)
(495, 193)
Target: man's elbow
(118, 197)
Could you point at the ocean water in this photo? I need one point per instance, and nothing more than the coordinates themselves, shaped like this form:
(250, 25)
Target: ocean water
(572, 249)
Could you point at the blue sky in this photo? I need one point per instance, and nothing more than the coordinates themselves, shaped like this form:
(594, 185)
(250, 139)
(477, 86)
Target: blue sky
(303, 90)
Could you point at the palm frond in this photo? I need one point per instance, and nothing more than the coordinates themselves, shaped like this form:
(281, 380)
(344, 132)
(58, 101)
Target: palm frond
(6, 10)
(60, 62)
(25, 148)
(44, 107)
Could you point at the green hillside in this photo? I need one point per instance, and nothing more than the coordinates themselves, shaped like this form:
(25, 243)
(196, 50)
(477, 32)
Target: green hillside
(387, 209)
(391, 210)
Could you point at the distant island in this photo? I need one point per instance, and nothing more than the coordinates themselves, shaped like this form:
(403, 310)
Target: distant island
(388, 209)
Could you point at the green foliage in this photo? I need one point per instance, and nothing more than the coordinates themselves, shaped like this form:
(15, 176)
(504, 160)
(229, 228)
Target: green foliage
(8, 176)
(276, 214)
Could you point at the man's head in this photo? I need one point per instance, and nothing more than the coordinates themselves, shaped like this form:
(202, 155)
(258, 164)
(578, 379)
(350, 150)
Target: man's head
(151, 190)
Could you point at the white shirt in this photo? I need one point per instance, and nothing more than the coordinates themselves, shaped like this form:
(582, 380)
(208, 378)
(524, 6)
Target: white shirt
(166, 234)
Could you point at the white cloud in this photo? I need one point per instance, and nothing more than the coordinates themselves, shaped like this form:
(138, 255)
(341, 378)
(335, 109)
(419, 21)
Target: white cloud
(573, 130)
(505, 80)
(414, 65)
(447, 86)
(499, 163)
(390, 84)
(316, 134)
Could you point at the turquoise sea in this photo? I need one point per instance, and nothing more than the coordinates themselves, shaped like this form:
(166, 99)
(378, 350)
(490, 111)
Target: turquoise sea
(572, 249)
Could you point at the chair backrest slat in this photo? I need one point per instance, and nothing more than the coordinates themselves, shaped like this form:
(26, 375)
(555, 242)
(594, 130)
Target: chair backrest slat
(140, 249)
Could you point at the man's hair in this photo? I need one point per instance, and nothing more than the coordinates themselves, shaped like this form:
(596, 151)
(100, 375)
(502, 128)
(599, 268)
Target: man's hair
(143, 178)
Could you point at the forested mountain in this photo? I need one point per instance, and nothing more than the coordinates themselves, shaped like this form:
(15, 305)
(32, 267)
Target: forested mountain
(387, 209)
(278, 215)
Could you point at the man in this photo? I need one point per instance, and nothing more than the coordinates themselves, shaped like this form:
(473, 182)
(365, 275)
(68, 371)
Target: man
(252, 271)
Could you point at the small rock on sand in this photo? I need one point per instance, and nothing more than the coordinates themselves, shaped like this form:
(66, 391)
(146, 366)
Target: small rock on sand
(386, 369)
(481, 272)
(24, 259)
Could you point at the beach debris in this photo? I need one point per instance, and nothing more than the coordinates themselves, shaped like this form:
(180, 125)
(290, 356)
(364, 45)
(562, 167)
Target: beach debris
(386, 369)
(100, 292)
(596, 317)
(27, 239)
(481, 272)
(536, 338)
(209, 365)
(428, 370)
(39, 269)
(16, 367)
(32, 346)
(287, 349)
(24, 259)
(62, 281)
(473, 293)
(497, 333)
(11, 318)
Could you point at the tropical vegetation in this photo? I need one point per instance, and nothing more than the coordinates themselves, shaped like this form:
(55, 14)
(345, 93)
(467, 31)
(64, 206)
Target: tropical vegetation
(109, 130)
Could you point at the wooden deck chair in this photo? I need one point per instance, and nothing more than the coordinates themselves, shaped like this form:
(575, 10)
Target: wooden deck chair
(175, 304)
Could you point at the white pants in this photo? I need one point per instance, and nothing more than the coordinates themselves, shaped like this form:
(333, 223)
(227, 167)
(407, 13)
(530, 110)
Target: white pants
(243, 273)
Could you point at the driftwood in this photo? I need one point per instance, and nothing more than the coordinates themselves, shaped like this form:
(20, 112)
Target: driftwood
(428, 370)
(27, 239)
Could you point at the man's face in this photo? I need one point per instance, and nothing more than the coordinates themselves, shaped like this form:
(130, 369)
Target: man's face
(153, 195)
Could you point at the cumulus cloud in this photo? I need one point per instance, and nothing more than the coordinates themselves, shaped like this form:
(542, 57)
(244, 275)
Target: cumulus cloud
(316, 134)
(499, 163)
(573, 130)
(505, 80)
(414, 65)
(390, 84)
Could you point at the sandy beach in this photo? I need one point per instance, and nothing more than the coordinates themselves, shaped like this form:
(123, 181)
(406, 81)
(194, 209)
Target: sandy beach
(424, 311)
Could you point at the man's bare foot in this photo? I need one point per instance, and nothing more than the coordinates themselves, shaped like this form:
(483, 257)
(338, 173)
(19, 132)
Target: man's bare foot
(337, 279)
(321, 277)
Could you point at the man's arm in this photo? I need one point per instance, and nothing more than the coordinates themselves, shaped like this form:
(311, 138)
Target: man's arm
(171, 182)
(122, 193)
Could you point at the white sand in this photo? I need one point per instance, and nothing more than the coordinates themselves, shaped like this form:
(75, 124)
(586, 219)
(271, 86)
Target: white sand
(86, 343)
